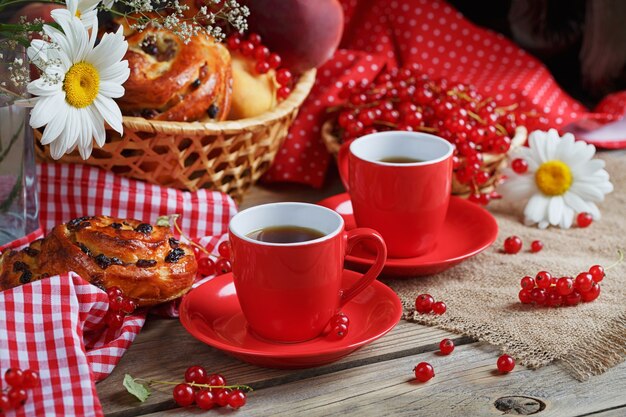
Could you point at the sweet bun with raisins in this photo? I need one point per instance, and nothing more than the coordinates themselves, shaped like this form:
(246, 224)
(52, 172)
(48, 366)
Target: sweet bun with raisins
(176, 81)
(146, 262)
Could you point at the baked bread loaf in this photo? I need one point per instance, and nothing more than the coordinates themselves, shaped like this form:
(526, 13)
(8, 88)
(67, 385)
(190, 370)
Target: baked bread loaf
(147, 263)
(171, 80)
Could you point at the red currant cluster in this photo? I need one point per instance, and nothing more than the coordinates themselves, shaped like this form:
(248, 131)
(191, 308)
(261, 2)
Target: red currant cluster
(207, 266)
(425, 303)
(513, 244)
(550, 291)
(425, 371)
(408, 99)
(19, 382)
(119, 307)
(265, 60)
(208, 391)
(339, 326)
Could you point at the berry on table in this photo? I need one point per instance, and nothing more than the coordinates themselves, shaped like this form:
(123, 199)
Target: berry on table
(224, 249)
(536, 246)
(31, 379)
(527, 283)
(439, 308)
(565, 286)
(339, 318)
(583, 282)
(573, 299)
(591, 294)
(424, 303)
(538, 296)
(237, 399)
(5, 403)
(424, 371)
(216, 380)
(584, 220)
(519, 166)
(17, 397)
(223, 266)
(183, 395)
(505, 364)
(14, 377)
(446, 346)
(512, 245)
(525, 296)
(196, 374)
(204, 399)
(221, 398)
(206, 266)
(597, 273)
(543, 279)
(338, 331)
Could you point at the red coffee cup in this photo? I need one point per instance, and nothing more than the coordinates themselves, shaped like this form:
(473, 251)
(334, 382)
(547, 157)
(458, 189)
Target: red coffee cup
(289, 291)
(405, 202)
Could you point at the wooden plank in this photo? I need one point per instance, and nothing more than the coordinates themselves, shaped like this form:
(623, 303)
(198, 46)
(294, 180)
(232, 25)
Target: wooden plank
(164, 349)
(614, 412)
(466, 384)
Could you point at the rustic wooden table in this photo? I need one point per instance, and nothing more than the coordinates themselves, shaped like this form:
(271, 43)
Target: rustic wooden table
(375, 380)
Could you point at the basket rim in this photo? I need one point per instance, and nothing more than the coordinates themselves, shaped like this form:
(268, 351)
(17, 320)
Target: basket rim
(295, 99)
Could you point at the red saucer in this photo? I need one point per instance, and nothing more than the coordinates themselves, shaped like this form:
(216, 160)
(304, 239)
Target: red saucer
(211, 313)
(468, 230)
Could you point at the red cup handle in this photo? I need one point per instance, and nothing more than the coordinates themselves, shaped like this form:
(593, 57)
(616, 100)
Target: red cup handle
(355, 236)
(343, 164)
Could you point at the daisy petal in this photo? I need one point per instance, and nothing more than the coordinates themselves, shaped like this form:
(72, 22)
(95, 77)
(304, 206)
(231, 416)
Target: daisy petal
(46, 109)
(536, 208)
(110, 111)
(574, 201)
(111, 89)
(555, 210)
(587, 192)
(518, 188)
(567, 218)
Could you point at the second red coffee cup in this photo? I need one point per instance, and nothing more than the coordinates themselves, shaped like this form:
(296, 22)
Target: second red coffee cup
(399, 184)
(288, 267)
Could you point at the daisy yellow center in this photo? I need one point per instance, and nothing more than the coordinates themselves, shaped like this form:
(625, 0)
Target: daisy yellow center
(81, 84)
(78, 14)
(553, 178)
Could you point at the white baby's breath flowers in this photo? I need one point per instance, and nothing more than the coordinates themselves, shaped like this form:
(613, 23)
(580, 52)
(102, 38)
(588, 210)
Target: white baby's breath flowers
(562, 180)
(75, 109)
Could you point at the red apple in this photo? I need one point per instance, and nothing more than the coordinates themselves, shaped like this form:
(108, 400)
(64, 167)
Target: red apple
(305, 33)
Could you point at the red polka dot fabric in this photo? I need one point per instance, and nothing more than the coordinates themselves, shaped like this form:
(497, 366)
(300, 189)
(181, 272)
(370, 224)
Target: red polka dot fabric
(381, 33)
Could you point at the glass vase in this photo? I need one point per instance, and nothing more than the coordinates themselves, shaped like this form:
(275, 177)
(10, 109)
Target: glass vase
(19, 201)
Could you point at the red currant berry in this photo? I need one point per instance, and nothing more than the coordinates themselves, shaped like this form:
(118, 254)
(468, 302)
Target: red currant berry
(114, 292)
(221, 396)
(597, 273)
(536, 246)
(237, 399)
(223, 266)
(439, 308)
(224, 249)
(583, 282)
(128, 306)
(584, 220)
(183, 395)
(205, 399)
(554, 299)
(339, 318)
(446, 346)
(424, 371)
(565, 286)
(512, 245)
(424, 303)
(262, 67)
(573, 298)
(283, 92)
(233, 43)
(206, 266)
(543, 279)
(519, 166)
(338, 331)
(592, 294)
(525, 296)
(216, 380)
(283, 76)
(482, 177)
(274, 60)
(196, 374)
(254, 38)
(527, 283)
(31, 379)
(261, 53)
(538, 296)
(114, 320)
(17, 397)
(116, 303)
(246, 48)
(505, 364)
(14, 377)
(5, 404)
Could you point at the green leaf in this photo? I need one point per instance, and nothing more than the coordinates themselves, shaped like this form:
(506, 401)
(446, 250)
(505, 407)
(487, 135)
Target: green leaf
(138, 389)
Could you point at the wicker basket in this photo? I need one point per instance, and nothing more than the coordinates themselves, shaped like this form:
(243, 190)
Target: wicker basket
(227, 156)
(492, 163)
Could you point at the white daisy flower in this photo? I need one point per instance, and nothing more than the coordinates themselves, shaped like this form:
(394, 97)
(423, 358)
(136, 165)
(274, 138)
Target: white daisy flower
(562, 180)
(85, 10)
(78, 85)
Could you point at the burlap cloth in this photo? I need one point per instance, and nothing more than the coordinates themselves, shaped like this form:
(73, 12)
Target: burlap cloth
(481, 293)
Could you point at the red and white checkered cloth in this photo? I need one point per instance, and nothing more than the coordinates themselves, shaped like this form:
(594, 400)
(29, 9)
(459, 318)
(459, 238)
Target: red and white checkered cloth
(392, 33)
(55, 325)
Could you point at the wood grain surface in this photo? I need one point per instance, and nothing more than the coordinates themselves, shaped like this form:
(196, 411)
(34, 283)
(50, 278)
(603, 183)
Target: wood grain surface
(375, 380)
